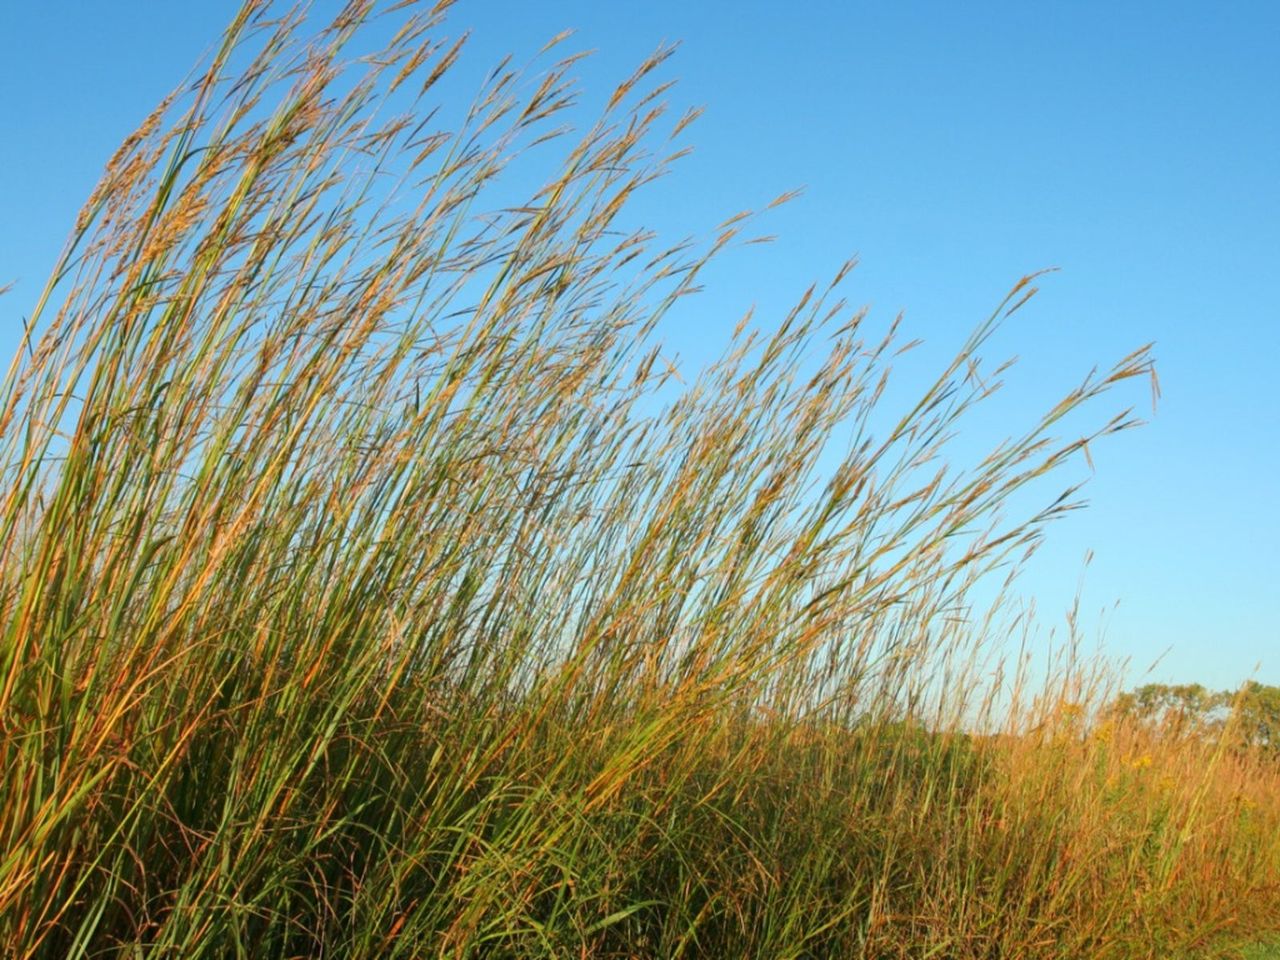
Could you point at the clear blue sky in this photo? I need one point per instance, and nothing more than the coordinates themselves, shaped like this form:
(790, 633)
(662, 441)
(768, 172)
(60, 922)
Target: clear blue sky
(955, 147)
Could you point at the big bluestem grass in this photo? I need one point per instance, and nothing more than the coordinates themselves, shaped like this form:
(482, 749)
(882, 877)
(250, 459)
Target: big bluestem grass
(370, 585)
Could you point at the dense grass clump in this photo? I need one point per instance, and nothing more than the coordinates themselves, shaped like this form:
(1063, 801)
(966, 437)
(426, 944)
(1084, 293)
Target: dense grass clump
(371, 587)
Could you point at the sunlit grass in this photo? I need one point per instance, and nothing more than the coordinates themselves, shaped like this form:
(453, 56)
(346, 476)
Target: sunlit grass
(372, 588)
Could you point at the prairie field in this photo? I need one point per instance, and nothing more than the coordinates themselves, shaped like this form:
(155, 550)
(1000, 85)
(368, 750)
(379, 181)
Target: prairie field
(373, 585)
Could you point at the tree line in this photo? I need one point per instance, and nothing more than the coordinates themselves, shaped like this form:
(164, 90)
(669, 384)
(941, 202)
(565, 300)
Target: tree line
(1251, 714)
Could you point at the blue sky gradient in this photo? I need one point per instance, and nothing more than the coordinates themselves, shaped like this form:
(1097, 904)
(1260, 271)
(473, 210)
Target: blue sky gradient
(954, 147)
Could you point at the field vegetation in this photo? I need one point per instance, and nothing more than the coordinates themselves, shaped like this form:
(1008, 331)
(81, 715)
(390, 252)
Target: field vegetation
(373, 586)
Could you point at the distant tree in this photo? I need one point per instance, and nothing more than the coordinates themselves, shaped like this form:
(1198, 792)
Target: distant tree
(1258, 706)
(1179, 709)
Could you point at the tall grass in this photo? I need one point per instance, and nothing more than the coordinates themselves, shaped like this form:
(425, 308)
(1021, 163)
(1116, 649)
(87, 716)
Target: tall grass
(370, 585)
